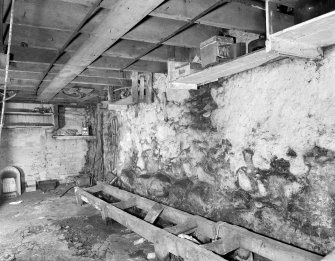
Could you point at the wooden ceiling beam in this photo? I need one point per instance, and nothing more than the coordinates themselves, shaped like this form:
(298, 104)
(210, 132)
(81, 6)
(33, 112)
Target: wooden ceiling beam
(66, 16)
(22, 75)
(22, 83)
(32, 79)
(31, 70)
(233, 15)
(154, 29)
(40, 38)
(93, 72)
(122, 18)
(118, 63)
(131, 49)
(49, 14)
(27, 66)
(96, 81)
(35, 37)
(37, 56)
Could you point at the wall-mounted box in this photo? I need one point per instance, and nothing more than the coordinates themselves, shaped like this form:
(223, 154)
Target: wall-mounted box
(184, 69)
(219, 49)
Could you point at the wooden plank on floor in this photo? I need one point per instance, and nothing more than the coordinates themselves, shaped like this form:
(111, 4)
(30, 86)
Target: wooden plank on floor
(172, 244)
(266, 247)
(154, 213)
(126, 204)
(223, 246)
(124, 16)
(93, 189)
(184, 228)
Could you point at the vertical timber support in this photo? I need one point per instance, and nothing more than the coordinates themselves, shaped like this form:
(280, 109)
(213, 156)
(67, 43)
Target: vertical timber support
(104, 215)
(134, 87)
(148, 88)
(142, 88)
(80, 202)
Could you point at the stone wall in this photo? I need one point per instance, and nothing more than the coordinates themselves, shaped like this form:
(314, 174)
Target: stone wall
(42, 157)
(256, 150)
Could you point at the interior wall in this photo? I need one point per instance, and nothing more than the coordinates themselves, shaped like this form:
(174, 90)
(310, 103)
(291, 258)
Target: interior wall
(256, 150)
(42, 157)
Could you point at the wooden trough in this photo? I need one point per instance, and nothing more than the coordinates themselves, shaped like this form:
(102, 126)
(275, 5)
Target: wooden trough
(223, 237)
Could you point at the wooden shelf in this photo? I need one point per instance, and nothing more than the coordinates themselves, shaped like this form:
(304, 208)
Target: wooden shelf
(28, 125)
(306, 39)
(237, 65)
(78, 137)
(27, 113)
(303, 40)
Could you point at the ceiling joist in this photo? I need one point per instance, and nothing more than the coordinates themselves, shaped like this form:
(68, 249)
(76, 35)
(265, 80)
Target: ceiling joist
(122, 18)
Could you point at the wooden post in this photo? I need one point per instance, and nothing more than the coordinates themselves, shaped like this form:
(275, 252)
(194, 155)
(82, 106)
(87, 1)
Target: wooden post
(148, 87)
(56, 121)
(134, 87)
(154, 213)
(104, 215)
(276, 21)
(80, 202)
(142, 78)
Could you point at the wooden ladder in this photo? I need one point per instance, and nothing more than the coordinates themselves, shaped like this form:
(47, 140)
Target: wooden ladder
(223, 238)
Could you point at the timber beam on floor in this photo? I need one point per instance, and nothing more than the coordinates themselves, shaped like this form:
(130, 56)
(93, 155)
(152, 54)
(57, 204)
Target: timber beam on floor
(166, 240)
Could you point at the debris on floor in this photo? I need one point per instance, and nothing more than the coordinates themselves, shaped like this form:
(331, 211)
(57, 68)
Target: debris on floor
(45, 227)
(16, 202)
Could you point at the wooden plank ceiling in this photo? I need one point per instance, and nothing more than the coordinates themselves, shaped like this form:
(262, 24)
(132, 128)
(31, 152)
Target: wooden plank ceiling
(42, 27)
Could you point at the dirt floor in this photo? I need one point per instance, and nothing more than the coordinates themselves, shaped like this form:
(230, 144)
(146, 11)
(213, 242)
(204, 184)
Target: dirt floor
(45, 227)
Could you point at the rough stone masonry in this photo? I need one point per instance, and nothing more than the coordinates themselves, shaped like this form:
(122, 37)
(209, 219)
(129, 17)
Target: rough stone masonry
(256, 150)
